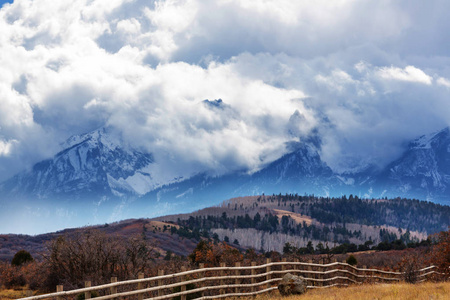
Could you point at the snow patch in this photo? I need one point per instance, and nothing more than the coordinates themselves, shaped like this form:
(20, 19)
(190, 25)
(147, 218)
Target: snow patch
(74, 160)
(120, 184)
(424, 142)
(141, 183)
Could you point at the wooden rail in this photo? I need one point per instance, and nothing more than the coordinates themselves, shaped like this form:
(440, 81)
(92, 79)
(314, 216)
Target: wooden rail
(232, 281)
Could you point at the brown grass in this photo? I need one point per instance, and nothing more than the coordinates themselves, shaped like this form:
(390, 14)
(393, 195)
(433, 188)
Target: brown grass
(298, 218)
(427, 291)
(12, 294)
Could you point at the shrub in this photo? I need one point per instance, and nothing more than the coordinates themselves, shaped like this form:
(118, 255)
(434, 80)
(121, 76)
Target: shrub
(410, 265)
(12, 277)
(440, 252)
(95, 256)
(21, 258)
(351, 260)
(213, 254)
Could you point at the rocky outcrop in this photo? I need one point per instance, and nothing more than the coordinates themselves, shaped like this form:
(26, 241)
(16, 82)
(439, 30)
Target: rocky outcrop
(292, 285)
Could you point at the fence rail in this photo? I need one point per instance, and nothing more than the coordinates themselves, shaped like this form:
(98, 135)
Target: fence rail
(220, 282)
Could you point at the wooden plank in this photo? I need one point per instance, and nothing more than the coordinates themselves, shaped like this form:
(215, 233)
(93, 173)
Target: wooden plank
(87, 295)
(183, 287)
(375, 274)
(202, 266)
(310, 266)
(160, 282)
(321, 269)
(113, 289)
(253, 274)
(140, 286)
(222, 281)
(213, 288)
(59, 288)
(237, 272)
(364, 274)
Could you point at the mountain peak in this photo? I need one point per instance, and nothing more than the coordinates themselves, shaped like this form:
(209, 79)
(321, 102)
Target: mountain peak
(91, 164)
(104, 135)
(428, 141)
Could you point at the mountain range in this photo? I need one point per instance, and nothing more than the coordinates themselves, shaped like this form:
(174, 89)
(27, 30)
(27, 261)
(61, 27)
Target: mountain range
(98, 178)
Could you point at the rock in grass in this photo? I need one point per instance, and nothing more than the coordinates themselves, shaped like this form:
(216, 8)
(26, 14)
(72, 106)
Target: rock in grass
(292, 285)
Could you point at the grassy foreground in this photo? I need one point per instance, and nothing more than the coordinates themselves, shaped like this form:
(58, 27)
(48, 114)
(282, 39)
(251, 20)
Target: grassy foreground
(427, 291)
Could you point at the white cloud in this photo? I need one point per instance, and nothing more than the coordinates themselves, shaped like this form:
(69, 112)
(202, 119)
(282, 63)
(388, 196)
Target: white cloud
(6, 147)
(145, 67)
(409, 73)
(131, 26)
(336, 81)
(443, 81)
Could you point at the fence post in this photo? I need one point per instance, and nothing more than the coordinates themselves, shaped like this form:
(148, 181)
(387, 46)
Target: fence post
(295, 265)
(268, 261)
(59, 288)
(311, 275)
(87, 295)
(160, 282)
(237, 272)
(253, 274)
(320, 269)
(283, 267)
(140, 286)
(345, 268)
(201, 266)
(183, 287)
(222, 281)
(113, 289)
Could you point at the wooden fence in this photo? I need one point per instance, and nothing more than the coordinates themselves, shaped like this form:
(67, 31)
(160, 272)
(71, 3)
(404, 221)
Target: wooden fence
(223, 281)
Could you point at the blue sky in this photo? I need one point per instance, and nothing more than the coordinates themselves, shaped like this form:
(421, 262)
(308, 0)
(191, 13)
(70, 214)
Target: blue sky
(5, 1)
(367, 75)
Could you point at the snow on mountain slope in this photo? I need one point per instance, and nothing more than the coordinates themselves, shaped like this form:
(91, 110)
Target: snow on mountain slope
(93, 163)
(99, 174)
(423, 171)
(300, 171)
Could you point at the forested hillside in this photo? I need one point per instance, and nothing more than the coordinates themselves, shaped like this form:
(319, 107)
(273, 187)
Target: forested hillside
(268, 222)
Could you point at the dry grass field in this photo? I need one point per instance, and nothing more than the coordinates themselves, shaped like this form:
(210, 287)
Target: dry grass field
(6, 294)
(429, 290)
(423, 291)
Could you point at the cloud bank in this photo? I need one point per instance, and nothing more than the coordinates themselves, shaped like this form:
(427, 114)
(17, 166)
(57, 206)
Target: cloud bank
(367, 75)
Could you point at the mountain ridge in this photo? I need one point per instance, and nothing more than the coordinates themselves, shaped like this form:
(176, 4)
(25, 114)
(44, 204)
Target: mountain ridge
(99, 176)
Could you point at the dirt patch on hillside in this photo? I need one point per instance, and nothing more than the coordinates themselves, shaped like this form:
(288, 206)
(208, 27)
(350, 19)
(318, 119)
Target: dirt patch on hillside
(299, 218)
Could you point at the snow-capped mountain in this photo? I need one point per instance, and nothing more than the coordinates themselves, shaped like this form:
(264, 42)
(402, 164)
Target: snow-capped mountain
(93, 164)
(299, 171)
(422, 172)
(99, 177)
